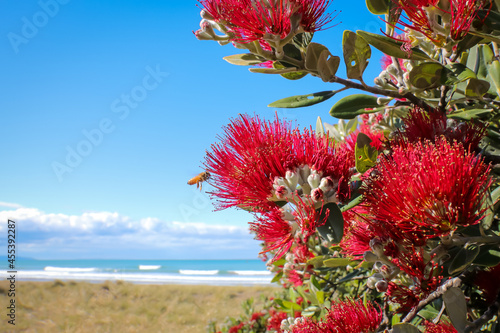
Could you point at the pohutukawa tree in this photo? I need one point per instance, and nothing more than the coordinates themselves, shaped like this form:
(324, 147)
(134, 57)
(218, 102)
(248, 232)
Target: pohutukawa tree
(395, 204)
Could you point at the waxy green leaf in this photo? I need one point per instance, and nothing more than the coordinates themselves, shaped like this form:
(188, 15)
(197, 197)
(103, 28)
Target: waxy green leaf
(320, 60)
(290, 76)
(365, 154)
(333, 229)
(339, 262)
(300, 101)
(391, 47)
(457, 72)
(470, 114)
(378, 7)
(354, 105)
(476, 88)
(488, 256)
(313, 52)
(404, 328)
(273, 70)
(356, 54)
(463, 258)
(244, 59)
(426, 75)
(456, 307)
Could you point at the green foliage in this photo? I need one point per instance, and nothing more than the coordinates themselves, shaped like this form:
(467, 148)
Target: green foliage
(351, 106)
(356, 54)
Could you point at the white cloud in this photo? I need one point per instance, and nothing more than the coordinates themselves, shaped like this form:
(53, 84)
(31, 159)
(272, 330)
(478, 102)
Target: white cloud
(111, 235)
(10, 205)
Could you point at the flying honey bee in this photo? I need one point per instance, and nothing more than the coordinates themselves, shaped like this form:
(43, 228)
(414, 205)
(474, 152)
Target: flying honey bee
(199, 179)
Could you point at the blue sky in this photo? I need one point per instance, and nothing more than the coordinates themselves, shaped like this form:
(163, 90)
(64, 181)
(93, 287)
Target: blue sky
(107, 109)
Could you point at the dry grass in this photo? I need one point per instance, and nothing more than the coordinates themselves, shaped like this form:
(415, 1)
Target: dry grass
(122, 307)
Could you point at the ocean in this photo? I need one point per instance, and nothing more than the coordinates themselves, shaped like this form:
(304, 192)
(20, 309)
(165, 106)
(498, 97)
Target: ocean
(206, 272)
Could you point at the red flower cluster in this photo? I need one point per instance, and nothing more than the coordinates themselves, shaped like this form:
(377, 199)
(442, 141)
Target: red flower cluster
(254, 20)
(420, 125)
(435, 21)
(439, 328)
(425, 190)
(487, 282)
(260, 166)
(343, 317)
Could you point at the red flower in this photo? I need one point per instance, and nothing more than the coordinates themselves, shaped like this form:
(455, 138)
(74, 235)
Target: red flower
(435, 21)
(425, 190)
(439, 328)
(275, 232)
(420, 125)
(275, 319)
(343, 317)
(487, 282)
(236, 328)
(280, 230)
(250, 20)
(259, 164)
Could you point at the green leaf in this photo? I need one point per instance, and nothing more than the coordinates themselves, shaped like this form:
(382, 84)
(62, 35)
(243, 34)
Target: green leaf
(356, 54)
(244, 59)
(378, 7)
(488, 37)
(426, 75)
(392, 47)
(327, 66)
(289, 76)
(490, 68)
(476, 88)
(470, 114)
(456, 307)
(339, 262)
(277, 277)
(428, 313)
(333, 229)
(353, 203)
(273, 70)
(490, 18)
(489, 211)
(291, 306)
(302, 40)
(320, 295)
(353, 105)
(349, 276)
(457, 72)
(467, 42)
(489, 256)
(464, 258)
(316, 261)
(313, 52)
(365, 154)
(300, 101)
(404, 328)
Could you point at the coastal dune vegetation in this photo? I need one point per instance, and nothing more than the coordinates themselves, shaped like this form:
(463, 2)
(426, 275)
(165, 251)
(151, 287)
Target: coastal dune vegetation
(68, 306)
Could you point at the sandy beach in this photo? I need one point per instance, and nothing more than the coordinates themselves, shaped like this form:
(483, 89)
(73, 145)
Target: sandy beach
(66, 306)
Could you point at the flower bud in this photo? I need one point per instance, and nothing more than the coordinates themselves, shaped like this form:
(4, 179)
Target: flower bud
(317, 194)
(293, 179)
(377, 246)
(370, 257)
(206, 15)
(314, 179)
(381, 285)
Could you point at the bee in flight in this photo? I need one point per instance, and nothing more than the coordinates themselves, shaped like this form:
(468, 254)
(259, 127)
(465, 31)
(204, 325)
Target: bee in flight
(204, 176)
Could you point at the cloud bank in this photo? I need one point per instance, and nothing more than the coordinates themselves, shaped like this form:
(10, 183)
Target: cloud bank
(110, 235)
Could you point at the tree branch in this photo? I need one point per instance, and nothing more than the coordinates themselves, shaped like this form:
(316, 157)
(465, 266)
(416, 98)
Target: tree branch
(409, 96)
(455, 282)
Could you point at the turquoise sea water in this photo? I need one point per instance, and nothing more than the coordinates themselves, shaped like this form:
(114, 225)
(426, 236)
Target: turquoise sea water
(213, 272)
